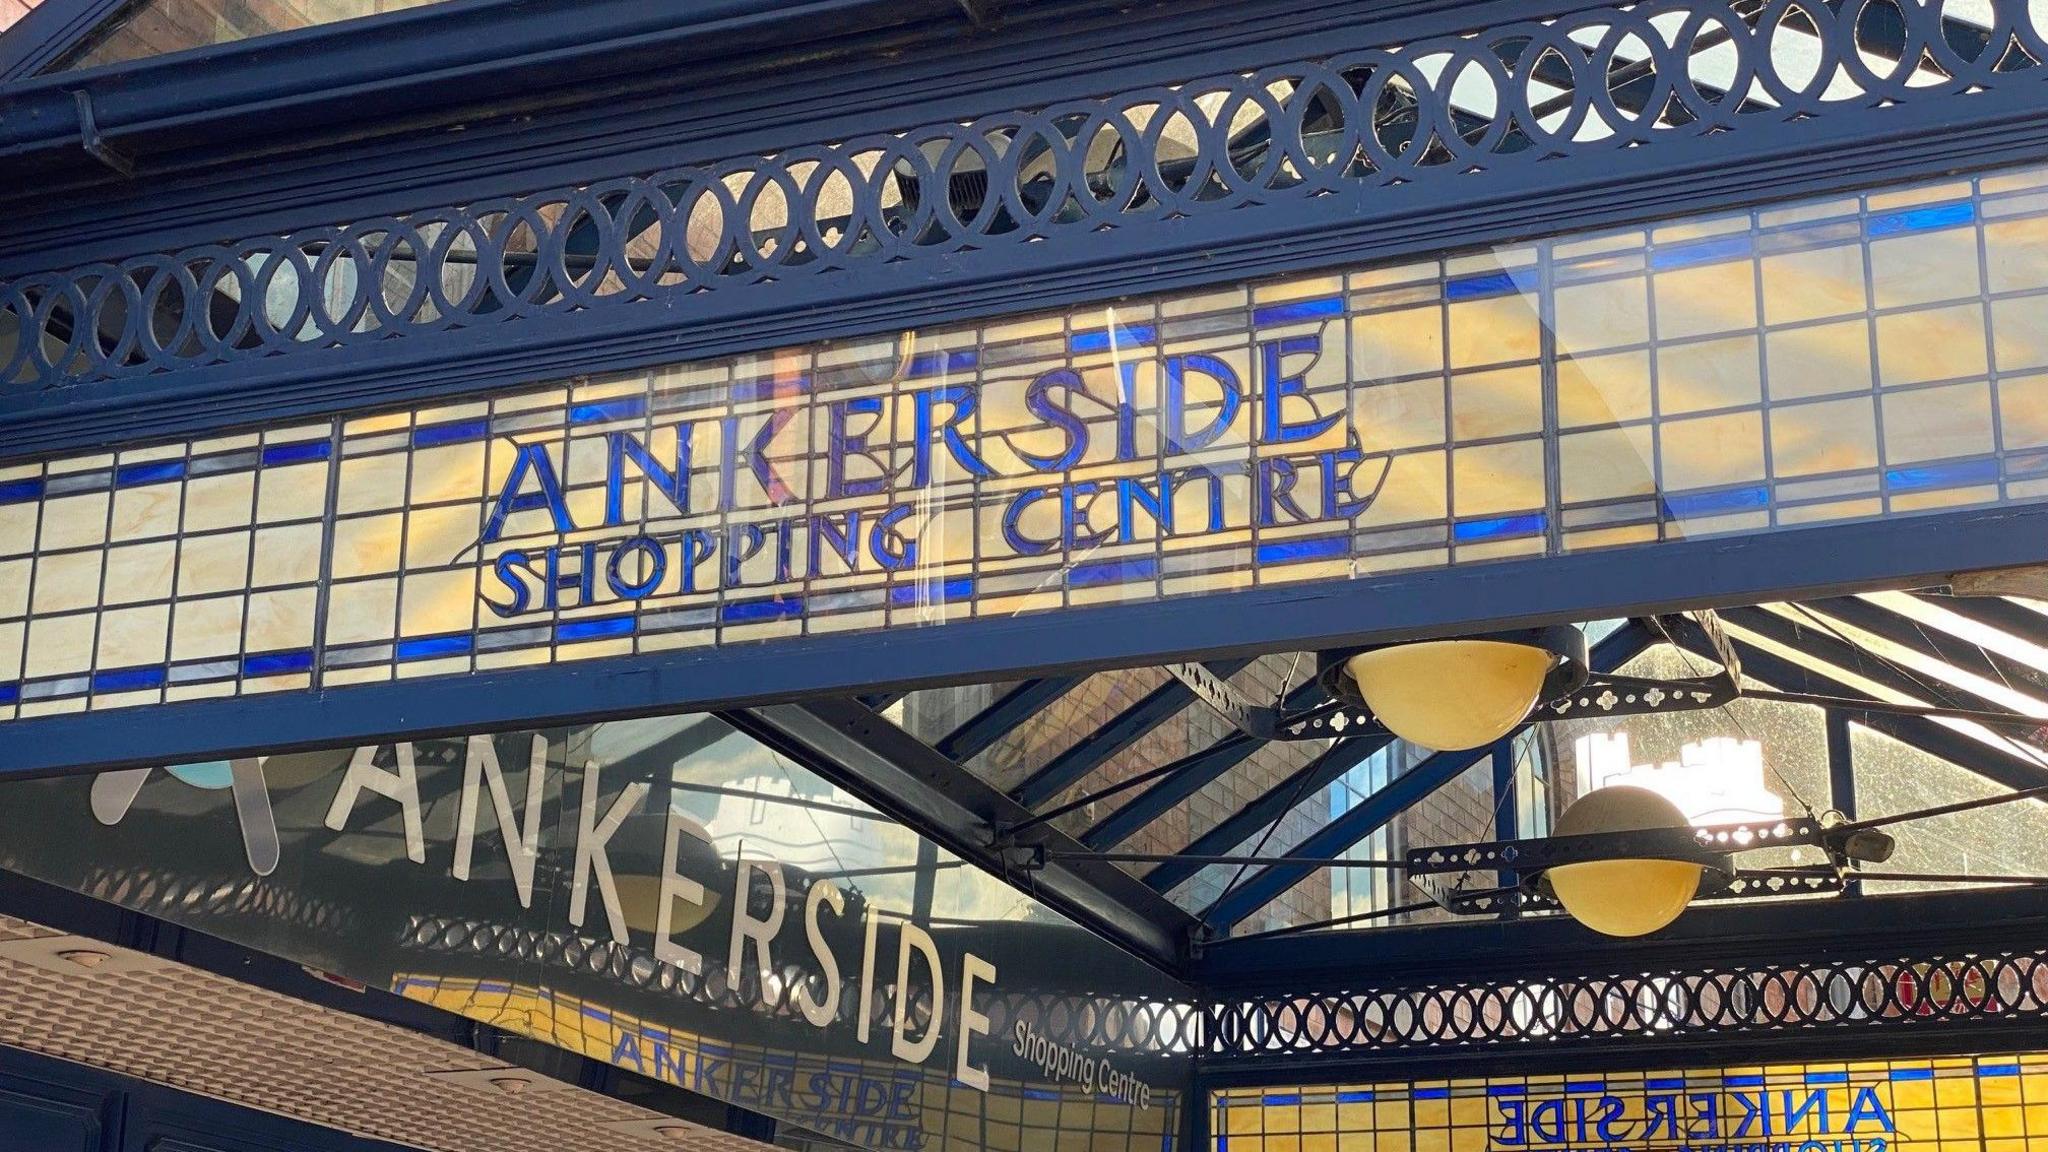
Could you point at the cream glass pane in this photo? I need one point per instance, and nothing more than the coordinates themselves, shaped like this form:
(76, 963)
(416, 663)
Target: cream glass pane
(1604, 314)
(1505, 402)
(1497, 478)
(1607, 464)
(1499, 330)
(1710, 298)
(1930, 344)
(1712, 450)
(1603, 389)
(1812, 284)
(2016, 254)
(1820, 360)
(1829, 436)
(1937, 423)
(1390, 345)
(1924, 269)
(1708, 374)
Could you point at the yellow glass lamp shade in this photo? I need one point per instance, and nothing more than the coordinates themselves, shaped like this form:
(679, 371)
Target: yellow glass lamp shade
(1451, 694)
(1623, 897)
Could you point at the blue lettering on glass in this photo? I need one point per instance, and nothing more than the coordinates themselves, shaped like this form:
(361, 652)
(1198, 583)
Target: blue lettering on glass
(672, 483)
(845, 446)
(1039, 402)
(1278, 387)
(1200, 452)
(1178, 438)
(530, 460)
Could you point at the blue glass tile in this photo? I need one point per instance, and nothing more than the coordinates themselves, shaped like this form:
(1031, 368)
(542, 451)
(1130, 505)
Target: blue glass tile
(128, 679)
(1506, 1090)
(1666, 1084)
(1494, 528)
(1112, 572)
(1909, 1074)
(21, 491)
(153, 472)
(454, 432)
(768, 388)
(1308, 548)
(1586, 1086)
(1827, 1077)
(297, 453)
(427, 647)
(1959, 472)
(597, 412)
(1040, 1094)
(1921, 219)
(933, 363)
(1488, 284)
(1743, 1081)
(1354, 1097)
(10, 693)
(1102, 339)
(273, 663)
(1298, 310)
(1998, 1070)
(1432, 1093)
(1712, 503)
(594, 629)
(494, 986)
(1702, 252)
(749, 611)
(596, 1013)
(960, 589)
(1280, 1098)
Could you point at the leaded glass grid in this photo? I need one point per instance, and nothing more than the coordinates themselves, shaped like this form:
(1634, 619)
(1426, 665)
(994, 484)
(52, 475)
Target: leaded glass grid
(1821, 362)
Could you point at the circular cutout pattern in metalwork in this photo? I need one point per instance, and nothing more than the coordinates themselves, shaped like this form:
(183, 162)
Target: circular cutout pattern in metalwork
(1453, 107)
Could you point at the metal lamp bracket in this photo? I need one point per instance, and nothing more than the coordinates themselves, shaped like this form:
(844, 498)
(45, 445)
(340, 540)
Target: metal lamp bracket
(1604, 694)
(1708, 847)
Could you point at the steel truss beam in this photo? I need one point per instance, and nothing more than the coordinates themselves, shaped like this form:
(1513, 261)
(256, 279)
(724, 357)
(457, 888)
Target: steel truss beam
(1271, 805)
(1187, 777)
(999, 719)
(1814, 641)
(1380, 809)
(1930, 642)
(1927, 735)
(906, 778)
(1099, 748)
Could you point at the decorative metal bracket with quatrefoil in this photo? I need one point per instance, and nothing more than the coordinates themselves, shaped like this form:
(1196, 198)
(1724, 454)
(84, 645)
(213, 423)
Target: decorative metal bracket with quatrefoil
(1600, 693)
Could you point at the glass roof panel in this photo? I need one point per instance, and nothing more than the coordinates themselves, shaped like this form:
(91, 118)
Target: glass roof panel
(1893, 777)
(160, 27)
(1863, 684)
(1194, 728)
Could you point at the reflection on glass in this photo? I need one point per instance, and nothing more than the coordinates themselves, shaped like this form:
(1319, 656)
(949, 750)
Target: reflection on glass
(666, 894)
(160, 27)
